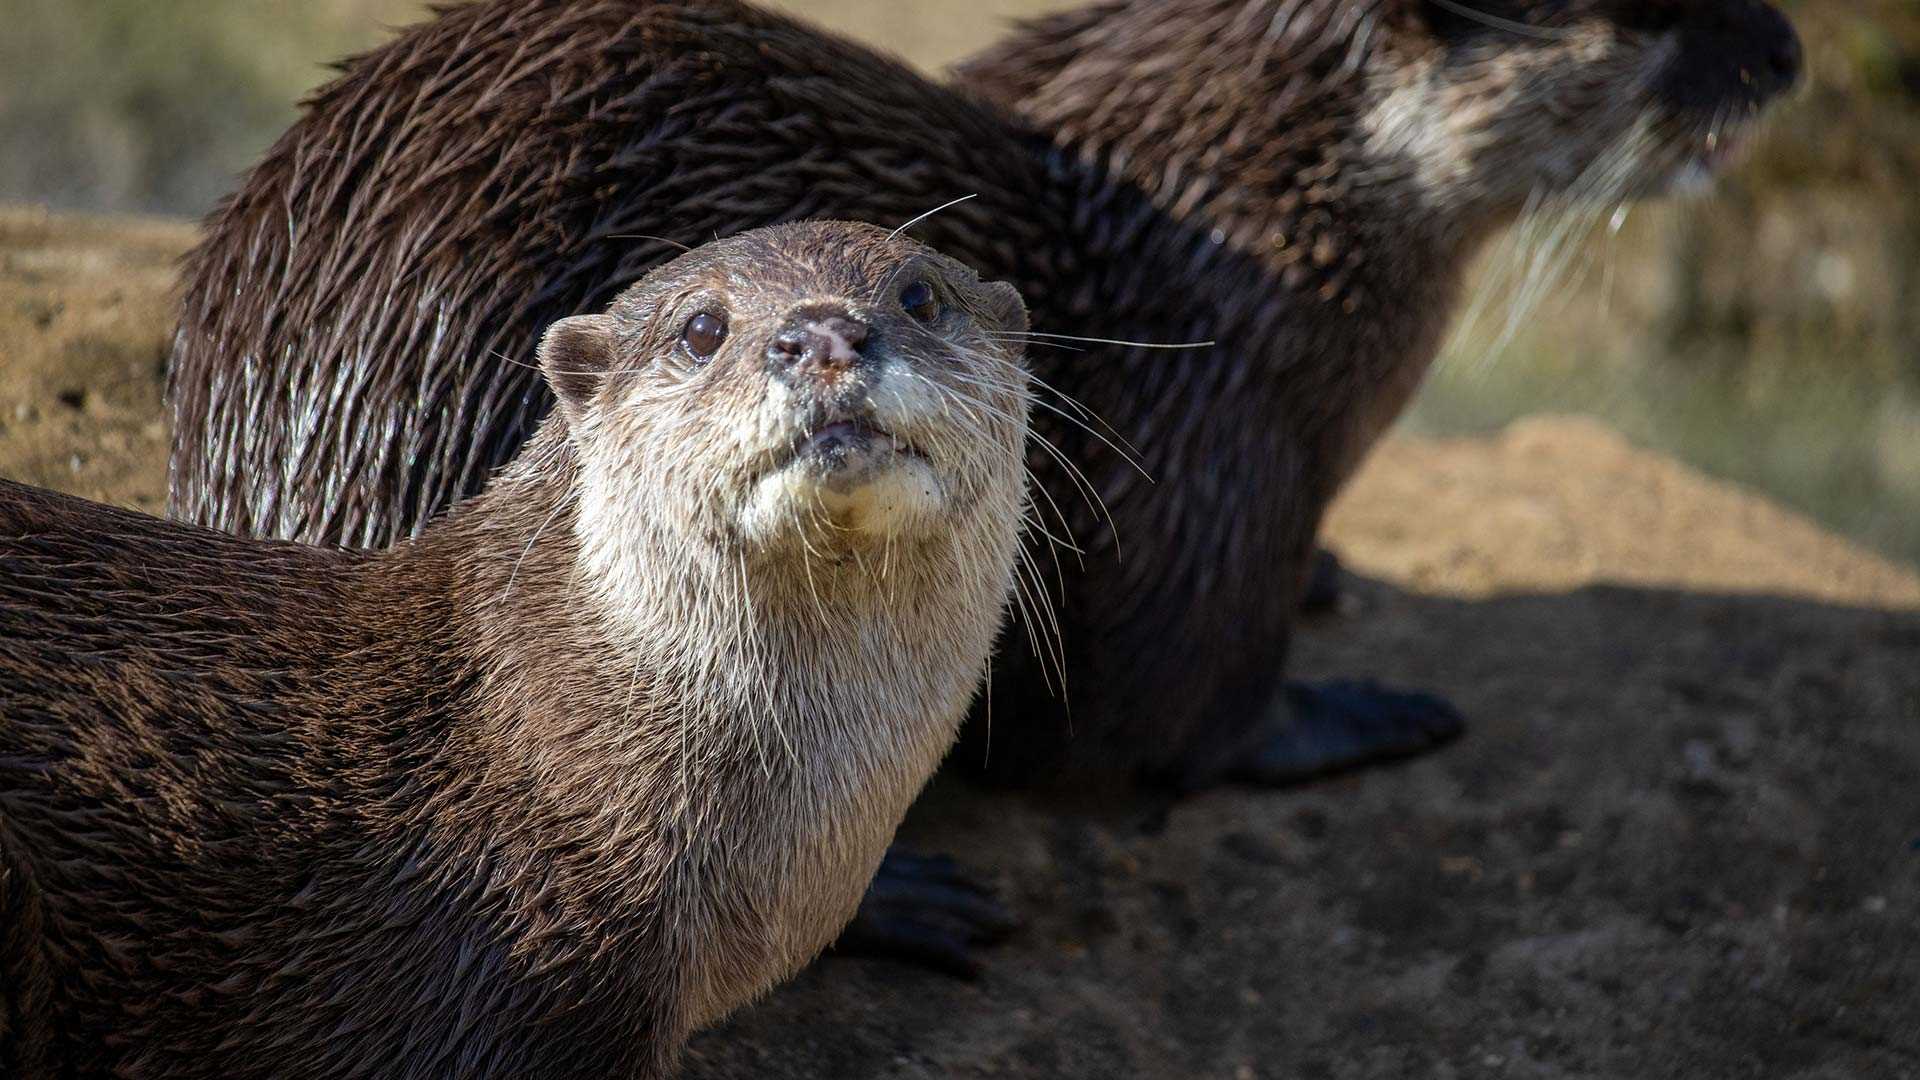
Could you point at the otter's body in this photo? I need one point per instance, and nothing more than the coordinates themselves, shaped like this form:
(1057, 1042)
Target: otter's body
(1300, 182)
(594, 760)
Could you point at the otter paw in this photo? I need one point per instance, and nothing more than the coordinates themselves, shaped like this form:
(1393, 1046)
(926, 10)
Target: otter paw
(1335, 727)
(1325, 584)
(924, 910)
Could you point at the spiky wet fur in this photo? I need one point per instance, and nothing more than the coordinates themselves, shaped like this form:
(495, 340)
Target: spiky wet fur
(1301, 182)
(580, 769)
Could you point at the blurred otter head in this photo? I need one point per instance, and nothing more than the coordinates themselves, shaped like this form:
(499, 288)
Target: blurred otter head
(1457, 111)
(1498, 102)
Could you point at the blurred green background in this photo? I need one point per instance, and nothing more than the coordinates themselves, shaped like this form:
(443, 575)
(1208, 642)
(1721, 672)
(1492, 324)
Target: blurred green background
(1769, 334)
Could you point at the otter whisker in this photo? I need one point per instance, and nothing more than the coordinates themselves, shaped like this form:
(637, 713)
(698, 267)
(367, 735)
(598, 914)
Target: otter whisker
(970, 408)
(1609, 260)
(1103, 341)
(507, 590)
(1042, 634)
(1124, 454)
(806, 561)
(1085, 412)
(1054, 639)
(1066, 526)
(1590, 199)
(1088, 491)
(1539, 252)
(911, 222)
(1060, 579)
(1128, 454)
(1052, 540)
(647, 236)
(1055, 345)
(1045, 596)
(1021, 611)
(892, 275)
(986, 752)
(498, 355)
(745, 625)
(1060, 515)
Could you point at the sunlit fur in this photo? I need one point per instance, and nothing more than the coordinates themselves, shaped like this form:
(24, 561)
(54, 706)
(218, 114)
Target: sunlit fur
(1303, 183)
(594, 760)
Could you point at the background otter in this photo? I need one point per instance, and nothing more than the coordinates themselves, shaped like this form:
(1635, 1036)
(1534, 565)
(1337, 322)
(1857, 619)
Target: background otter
(1300, 181)
(601, 755)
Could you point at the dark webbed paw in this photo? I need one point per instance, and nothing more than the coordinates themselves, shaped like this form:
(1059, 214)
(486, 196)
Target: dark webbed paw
(1339, 726)
(923, 909)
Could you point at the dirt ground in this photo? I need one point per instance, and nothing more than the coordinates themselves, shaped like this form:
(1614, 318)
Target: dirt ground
(86, 308)
(1682, 838)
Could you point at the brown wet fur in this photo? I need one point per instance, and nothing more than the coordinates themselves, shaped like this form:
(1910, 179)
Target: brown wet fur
(535, 793)
(1301, 182)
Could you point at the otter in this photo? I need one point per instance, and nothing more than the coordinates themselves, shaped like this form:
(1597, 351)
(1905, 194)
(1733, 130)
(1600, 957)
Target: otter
(1301, 184)
(605, 752)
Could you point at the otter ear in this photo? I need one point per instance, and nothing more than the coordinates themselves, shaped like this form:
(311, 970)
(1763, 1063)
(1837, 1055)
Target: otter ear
(575, 356)
(1005, 305)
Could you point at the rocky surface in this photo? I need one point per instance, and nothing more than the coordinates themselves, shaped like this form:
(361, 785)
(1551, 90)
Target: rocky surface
(1682, 838)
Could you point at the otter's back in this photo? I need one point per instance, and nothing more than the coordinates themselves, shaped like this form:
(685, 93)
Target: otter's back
(84, 585)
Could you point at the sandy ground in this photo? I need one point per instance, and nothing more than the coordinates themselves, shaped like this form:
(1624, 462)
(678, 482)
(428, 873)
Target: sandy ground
(85, 313)
(1681, 840)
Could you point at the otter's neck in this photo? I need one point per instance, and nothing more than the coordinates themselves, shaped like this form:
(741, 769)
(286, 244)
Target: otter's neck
(722, 744)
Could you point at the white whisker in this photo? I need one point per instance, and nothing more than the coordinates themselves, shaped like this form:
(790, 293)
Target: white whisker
(1104, 341)
(911, 222)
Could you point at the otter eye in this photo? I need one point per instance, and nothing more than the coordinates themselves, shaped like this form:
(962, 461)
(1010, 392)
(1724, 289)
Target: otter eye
(920, 301)
(703, 335)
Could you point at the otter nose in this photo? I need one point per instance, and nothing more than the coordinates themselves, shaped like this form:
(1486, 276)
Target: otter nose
(825, 344)
(1787, 58)
(1781, 57)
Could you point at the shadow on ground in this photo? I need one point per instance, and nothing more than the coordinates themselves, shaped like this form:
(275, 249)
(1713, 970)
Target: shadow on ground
(1682, 839)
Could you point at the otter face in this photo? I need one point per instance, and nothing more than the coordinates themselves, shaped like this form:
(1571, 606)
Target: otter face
(1501, 101)
(815, 388)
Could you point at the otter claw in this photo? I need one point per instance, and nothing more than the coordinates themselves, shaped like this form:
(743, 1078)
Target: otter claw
(924, 910)
(1339, 726)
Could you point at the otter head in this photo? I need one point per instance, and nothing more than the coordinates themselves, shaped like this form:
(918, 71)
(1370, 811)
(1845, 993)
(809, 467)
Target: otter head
(1497, 102)
(1459, 112)
(813, 390)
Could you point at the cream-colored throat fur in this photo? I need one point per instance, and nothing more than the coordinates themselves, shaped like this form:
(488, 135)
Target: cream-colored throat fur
(812, 702)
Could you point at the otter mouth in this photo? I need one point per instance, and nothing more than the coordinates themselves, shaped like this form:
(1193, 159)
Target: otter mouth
(840, 439)
(846, 450)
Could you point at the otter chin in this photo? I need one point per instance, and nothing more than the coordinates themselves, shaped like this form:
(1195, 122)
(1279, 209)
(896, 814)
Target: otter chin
(854, 481)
